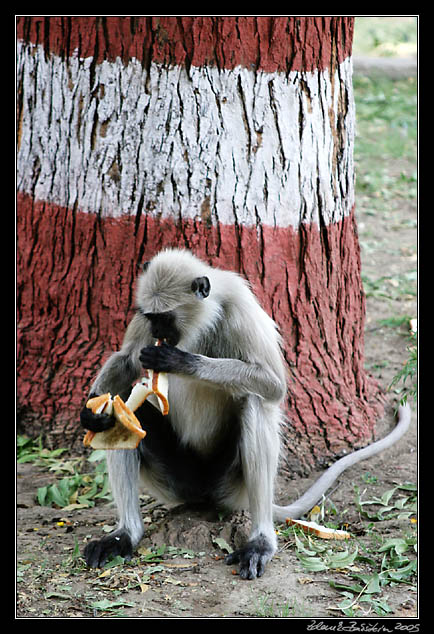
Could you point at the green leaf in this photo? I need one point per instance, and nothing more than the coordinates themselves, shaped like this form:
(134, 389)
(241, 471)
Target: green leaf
(373, 586)
(408, 486)
(398, 544)
(386, 497)
(313, 564)
(106, 604)
(403, 573)
(381, 607)
(42, 496)
(355, 588)
(342, 559)
(115, 561)
(314, 548)
(97, 455)
(222, 544)
(57, 595)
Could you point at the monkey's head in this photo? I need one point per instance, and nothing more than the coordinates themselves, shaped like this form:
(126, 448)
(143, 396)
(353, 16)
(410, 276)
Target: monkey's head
(172, 292)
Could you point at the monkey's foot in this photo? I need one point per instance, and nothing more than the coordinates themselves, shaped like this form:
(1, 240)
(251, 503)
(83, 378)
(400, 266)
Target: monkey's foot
(252, 557)
(98, 552)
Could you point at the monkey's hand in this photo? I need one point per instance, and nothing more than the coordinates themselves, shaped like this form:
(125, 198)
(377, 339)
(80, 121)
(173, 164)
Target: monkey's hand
(96, 422)
(167, 358)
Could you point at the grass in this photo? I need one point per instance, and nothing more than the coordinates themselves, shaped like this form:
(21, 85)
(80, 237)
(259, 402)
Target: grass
(79, 489)
(385, 36)
(386, 114)
(386, 178)
(386, 135)
(268, 607)
(408, 371)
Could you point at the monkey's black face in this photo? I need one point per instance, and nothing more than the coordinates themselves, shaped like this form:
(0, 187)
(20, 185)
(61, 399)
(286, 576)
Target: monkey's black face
(163, 326)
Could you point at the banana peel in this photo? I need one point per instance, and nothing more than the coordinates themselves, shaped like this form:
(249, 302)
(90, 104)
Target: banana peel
(127, 431)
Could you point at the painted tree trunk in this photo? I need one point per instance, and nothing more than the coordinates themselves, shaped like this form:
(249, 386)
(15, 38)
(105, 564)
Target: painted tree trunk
(232, 137)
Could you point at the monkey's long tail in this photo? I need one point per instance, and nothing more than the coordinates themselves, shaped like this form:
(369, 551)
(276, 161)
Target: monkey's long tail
(324, 482)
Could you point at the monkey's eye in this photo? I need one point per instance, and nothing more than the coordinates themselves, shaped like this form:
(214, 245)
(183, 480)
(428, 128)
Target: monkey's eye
(145, 266)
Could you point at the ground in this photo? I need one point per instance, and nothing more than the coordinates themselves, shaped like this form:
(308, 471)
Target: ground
(191, 579)
(188, 577)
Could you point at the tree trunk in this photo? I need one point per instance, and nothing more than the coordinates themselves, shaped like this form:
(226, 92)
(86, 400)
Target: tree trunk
(232, 137)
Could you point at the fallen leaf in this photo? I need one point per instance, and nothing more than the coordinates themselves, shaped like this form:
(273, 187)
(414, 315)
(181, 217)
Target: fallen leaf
(173, 581)
(222, 544)
(107, 528)
(57, 595)
(316, 509)
(106, 604)
(304, 580)
(72, 507)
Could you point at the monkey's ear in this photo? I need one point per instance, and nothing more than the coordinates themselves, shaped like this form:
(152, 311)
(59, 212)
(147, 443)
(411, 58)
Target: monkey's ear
(201, 287)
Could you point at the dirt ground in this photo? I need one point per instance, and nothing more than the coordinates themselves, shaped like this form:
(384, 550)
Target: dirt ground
(190, 580)
(53, 585)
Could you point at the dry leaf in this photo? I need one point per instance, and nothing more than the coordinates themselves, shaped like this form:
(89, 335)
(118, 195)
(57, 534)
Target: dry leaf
(304, 580)
(173, 581)
(222, 544)
(315, 513)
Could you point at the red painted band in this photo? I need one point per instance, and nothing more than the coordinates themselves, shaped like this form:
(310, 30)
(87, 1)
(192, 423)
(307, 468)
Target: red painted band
(270, 44)
(76, 277)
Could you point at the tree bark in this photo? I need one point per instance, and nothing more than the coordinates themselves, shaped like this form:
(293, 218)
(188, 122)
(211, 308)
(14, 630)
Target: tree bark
(232, 137)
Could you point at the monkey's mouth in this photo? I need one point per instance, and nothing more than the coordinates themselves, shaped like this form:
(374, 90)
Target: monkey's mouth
(163, 327)
(171, 340)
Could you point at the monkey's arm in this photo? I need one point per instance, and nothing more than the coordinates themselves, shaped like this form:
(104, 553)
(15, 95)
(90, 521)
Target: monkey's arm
(123, 367)
(237, 377)
(116, 376)
(240, 378)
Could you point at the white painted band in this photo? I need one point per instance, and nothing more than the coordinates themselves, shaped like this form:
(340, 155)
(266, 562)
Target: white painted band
(236, 146)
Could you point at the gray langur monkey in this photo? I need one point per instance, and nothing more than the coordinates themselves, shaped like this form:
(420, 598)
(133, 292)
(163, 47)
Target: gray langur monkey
(219, 444)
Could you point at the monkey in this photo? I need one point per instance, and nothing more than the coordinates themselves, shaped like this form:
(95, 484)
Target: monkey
(220, 443)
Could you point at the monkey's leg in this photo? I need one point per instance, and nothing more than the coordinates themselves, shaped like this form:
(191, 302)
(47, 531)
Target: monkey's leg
(123, 468)
(259, 455)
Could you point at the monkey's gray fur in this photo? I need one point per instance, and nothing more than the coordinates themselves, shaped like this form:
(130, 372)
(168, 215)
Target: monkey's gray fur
(227, 382)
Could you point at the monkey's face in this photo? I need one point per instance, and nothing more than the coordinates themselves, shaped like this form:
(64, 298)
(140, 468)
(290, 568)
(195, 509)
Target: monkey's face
(170, 294)
(163, 326)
